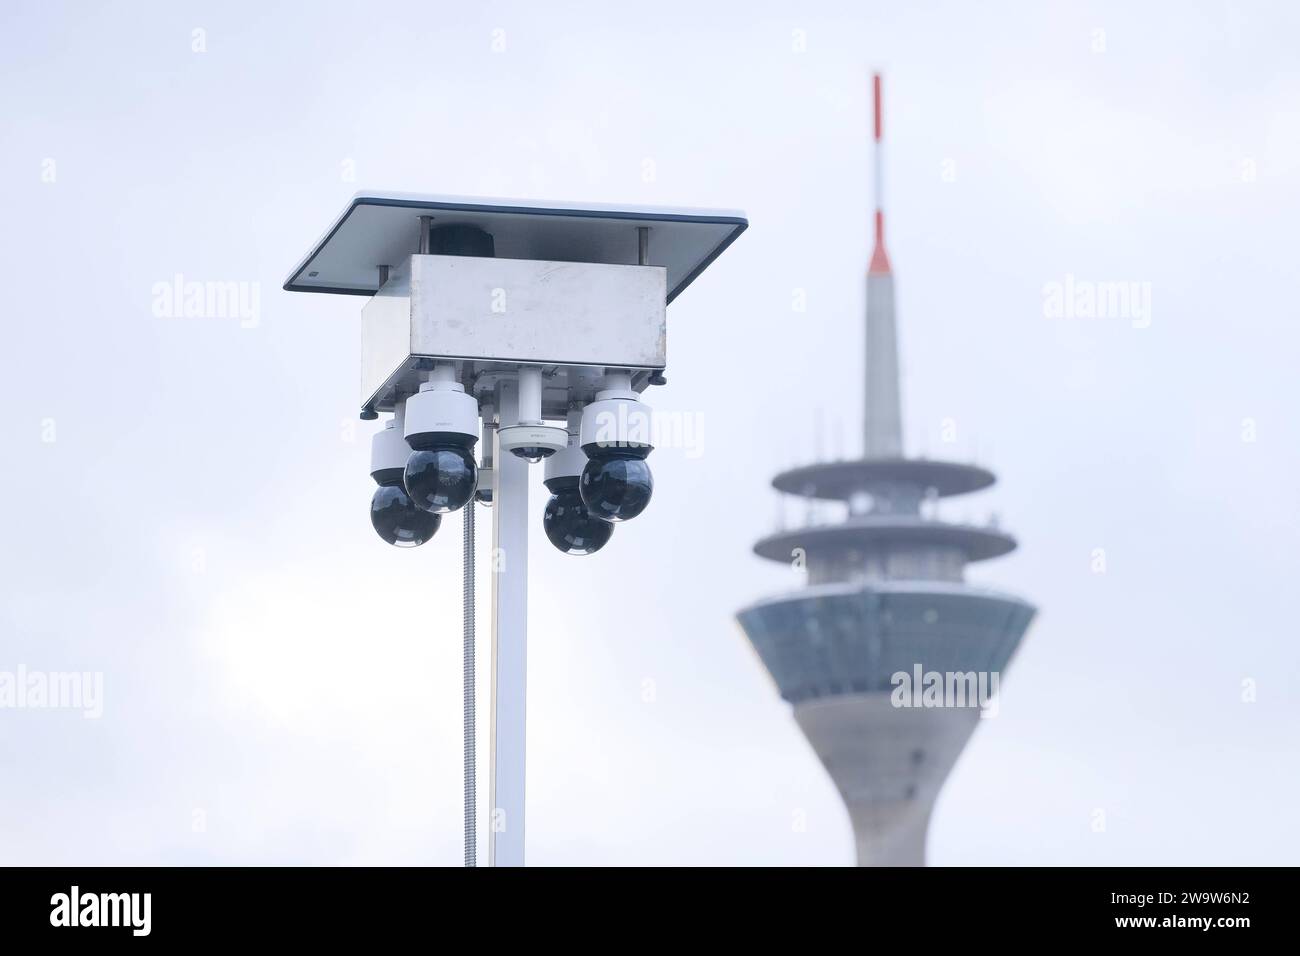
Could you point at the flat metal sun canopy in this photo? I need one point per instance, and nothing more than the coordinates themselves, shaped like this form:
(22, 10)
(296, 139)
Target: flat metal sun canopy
(383, 229)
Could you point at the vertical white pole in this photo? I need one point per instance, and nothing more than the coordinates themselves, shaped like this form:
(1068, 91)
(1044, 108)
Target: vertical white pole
(509, 646)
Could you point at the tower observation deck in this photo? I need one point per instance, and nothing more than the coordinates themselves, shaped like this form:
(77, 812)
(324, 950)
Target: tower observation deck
(885, 594)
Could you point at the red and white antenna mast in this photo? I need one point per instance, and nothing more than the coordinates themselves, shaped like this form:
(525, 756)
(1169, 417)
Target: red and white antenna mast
(879, 260)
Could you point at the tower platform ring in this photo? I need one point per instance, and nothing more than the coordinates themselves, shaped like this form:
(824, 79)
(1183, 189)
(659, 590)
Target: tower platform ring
(880, 531)
(841, 480)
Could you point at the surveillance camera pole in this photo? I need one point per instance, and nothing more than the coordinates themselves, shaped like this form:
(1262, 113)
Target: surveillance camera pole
(436, 329)
(509, 645)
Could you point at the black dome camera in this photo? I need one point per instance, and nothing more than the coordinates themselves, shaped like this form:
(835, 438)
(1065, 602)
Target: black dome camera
(393, 514)
(616, 483)
(441, 430)
(568, 523)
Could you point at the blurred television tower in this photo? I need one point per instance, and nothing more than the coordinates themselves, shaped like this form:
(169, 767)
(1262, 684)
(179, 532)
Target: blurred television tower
(885, 596)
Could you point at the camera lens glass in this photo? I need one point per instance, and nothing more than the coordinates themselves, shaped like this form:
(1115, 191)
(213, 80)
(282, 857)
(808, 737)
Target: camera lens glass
(532, 454)
(616, 489)
(571, 527)
(396, 519)
(441, 479)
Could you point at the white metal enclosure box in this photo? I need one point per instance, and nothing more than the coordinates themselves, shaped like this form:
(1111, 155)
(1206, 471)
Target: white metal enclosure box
(511, 310)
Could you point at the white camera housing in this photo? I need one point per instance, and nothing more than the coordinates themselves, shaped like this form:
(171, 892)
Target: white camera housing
(388, 452)
(441, 413)
(547, 439)
(530, 438)
(617, 420)
(568, 462)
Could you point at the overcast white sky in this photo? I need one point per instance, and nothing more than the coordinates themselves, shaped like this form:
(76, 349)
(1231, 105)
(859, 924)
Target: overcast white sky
(280, 687)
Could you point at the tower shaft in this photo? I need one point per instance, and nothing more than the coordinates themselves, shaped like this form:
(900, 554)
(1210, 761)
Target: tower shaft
(888, 765)
(883, 412)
